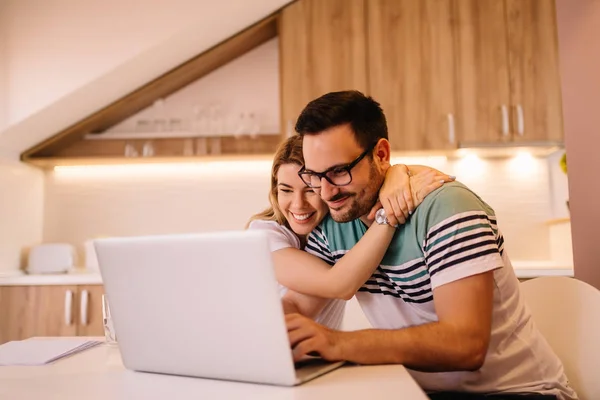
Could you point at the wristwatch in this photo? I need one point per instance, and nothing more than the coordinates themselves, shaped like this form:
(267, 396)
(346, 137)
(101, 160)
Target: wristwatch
(381, 217)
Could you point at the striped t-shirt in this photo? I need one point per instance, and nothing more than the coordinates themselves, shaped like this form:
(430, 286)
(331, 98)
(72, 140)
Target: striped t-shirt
(453, 234)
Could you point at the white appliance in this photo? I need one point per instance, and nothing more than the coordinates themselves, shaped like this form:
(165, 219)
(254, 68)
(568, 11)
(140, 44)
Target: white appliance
(51, 258)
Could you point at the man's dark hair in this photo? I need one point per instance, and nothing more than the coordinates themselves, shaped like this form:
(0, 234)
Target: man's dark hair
(364, 115)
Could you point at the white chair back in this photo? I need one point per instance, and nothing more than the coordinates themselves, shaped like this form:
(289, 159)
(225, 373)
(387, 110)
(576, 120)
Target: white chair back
(567, 312)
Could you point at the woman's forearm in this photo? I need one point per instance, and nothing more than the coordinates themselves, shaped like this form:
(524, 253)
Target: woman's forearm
(308, 274)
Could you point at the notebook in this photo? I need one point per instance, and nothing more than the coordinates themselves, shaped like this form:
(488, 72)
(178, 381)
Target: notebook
(41, 351)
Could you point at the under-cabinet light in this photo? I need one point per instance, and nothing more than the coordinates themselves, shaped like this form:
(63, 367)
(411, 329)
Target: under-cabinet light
(523, 165)
(215, 168)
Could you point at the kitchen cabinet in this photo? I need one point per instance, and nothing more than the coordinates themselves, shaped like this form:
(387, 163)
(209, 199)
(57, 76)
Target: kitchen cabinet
(448, 73)
(322, 49)
(89, 310)
(508, 80)
(483, 92)
(536, 97)
(50, 310)
(411, 71)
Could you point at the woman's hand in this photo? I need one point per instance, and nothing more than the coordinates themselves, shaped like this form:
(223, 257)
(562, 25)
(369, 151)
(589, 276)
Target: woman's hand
(405, 188)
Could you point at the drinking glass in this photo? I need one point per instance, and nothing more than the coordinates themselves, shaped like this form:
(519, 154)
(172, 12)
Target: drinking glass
(109, 329)
(148, 149)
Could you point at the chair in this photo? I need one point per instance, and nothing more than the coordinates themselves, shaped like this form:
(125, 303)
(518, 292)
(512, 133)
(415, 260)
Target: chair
(567, 312)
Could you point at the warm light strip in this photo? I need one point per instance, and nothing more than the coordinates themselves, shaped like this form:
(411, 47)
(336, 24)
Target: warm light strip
(209, 168)
(161, 169)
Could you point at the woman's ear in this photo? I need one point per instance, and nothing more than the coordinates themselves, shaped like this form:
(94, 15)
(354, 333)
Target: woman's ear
(382, 152)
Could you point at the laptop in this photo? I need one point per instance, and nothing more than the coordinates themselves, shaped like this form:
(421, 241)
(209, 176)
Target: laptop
(202, 305)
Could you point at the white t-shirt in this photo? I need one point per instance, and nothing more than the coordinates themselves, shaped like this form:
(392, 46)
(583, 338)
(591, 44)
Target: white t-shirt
(280, 237)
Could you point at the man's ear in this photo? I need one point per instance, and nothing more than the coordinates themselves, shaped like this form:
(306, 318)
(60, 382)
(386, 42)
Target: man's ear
(382, 152)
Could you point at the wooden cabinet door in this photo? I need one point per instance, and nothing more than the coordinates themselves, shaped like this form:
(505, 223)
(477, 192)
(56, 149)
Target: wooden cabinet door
(89, 310)
(27, 311)
(534, 70)
(483, 92)
(322, 49)
(14, 311)
(411, 71)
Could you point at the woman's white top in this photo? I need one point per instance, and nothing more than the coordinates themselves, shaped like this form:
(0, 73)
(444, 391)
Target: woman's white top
(280, 237)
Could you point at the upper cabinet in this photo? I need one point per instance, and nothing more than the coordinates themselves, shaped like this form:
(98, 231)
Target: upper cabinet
(411, 71)
(482, 79)
(446, 72)
(508, 80)
(322, 49)
(535, 90)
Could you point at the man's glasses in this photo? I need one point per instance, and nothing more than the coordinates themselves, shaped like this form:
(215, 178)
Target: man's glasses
(338, 175)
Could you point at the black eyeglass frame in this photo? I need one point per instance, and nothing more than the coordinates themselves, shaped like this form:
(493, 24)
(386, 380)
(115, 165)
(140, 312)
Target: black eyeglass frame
(347, 167)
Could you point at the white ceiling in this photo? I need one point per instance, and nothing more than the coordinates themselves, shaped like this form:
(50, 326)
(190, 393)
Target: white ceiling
(222, 20)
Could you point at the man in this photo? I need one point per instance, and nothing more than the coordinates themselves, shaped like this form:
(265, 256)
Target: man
(445, 301)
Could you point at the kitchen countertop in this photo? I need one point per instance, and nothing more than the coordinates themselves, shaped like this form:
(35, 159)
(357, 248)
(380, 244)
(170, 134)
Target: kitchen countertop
(523, 270)
(534, 269)
(77, 277)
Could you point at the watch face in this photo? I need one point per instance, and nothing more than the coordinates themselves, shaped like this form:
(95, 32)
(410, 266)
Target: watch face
(380, 217)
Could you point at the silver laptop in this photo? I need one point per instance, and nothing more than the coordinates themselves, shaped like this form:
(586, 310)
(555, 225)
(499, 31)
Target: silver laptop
(202, 305)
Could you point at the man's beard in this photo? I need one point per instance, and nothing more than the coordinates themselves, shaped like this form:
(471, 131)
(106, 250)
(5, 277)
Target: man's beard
(361, 203)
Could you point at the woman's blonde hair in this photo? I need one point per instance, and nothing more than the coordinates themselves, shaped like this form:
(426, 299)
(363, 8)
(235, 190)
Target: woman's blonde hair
(288, 152)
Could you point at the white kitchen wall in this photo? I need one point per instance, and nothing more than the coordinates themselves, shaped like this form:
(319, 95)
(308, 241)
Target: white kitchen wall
(57, 46)
(136, 201)
(520, 192)
(88, 203)
(21, 212)
(248, 84)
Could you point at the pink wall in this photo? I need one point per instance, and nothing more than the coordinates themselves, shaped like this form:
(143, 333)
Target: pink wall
(579, 42)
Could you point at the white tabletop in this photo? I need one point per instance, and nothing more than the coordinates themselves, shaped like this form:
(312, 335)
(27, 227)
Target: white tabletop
(98, 373)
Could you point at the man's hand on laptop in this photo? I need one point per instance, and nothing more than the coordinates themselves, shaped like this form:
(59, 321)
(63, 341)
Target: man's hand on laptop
(308, 338)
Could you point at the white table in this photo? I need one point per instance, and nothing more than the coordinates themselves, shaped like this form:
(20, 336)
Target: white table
(98, 373)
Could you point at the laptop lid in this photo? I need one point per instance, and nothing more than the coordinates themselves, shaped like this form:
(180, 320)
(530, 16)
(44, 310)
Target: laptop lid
(204, 305)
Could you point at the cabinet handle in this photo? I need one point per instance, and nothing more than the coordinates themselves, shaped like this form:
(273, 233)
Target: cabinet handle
(83, 310)
(520, 121)
(68, 307)
(505, 127)
(451, 130)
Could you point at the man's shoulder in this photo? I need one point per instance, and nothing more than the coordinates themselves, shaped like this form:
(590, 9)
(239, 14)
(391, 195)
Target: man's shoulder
(450, 200)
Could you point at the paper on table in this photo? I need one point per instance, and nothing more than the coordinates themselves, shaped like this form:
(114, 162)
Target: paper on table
(41, 352)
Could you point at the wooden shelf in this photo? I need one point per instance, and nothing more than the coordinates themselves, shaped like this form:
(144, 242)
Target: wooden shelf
(164, 135)
(170, 147)
(112, 151)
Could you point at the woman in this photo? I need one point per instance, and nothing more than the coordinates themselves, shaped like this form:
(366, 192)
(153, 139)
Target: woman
(296, 210)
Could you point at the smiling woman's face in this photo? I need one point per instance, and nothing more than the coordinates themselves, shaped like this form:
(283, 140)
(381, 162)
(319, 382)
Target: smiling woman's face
(301, 207)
